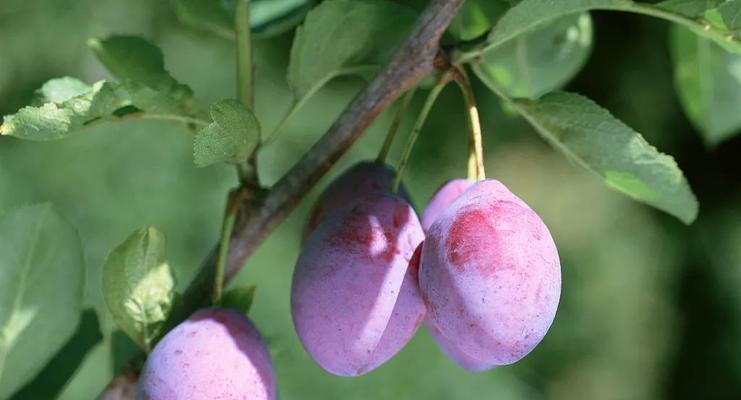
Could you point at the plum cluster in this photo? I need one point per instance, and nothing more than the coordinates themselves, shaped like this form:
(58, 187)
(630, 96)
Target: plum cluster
(480, 270)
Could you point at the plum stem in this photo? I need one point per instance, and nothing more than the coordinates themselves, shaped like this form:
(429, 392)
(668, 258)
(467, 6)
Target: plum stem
(475, 143)
(398, 117)
(417, 129)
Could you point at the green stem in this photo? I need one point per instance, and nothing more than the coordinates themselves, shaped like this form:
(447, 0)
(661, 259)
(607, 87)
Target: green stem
(246, 170)
(471, 50)
(418, 124)
(193, 121)
(230, 216)
(398, 117)
(173, 117)
(244, 53)
(476, 147)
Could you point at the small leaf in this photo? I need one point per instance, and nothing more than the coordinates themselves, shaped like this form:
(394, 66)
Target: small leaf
(591, 137)
(239, 298)
(69, 108)
(341, 37)
(708, 81)
(138, 286)
(41, 291)
(231, 138)
(140, 67)
(267, 17)
(540, 61)
(48, 384)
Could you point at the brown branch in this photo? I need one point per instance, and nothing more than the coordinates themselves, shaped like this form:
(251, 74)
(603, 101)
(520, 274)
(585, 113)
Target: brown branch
(264, 210)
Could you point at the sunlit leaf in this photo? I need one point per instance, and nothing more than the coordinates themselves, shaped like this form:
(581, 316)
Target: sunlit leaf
(138, 286)
(591, 137)
(231, 138)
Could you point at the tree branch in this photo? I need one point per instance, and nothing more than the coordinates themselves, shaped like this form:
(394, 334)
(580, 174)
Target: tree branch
(264, 210)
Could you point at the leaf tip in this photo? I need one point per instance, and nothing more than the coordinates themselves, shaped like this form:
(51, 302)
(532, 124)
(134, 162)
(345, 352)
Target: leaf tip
(690, 217)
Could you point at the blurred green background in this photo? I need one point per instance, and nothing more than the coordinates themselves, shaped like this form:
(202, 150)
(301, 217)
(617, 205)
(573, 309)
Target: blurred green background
(650, 308)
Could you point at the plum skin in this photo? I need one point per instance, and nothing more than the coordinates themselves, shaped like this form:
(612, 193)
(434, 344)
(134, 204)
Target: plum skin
(217, 353)
(490, 276)
(442, 199)
(354, 301)
(361, 179)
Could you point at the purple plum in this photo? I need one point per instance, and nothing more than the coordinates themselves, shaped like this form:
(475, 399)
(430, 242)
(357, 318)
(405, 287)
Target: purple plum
(490, 277)
(443, 198)
(217, 353)
(361, 179)
(355, 302)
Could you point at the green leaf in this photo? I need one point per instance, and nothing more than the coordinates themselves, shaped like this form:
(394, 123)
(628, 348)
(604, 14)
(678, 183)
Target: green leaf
(591, 137)
(267, 17)
(341, 37)
(41, 291)
(140, 67)
(708, 81)
(727, 16)
(540, 61)
(231, 138)
(476, 17)
(48, 384)
(531, 14)
(67, 105)
(694, 9)
(722, 17)
(138, 286)
(239, 298)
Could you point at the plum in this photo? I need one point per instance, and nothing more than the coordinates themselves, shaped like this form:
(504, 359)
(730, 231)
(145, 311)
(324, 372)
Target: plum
(354, 300)
(490, 278)
(442, 199)
(217, 353)
(361, 179)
